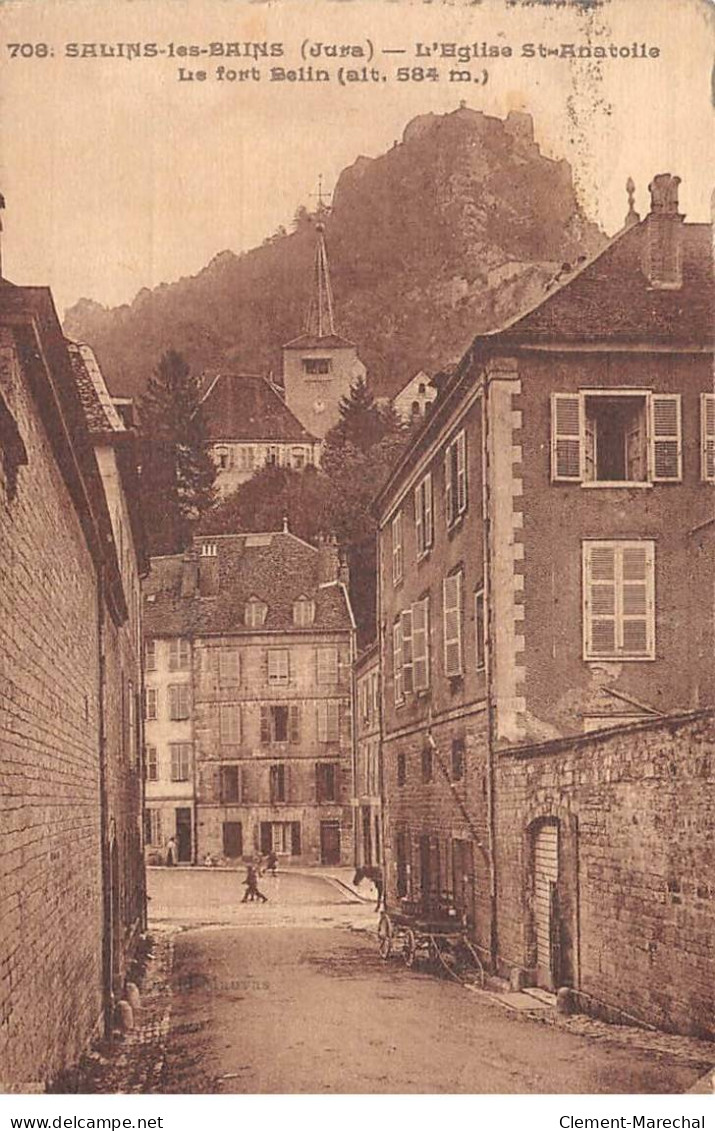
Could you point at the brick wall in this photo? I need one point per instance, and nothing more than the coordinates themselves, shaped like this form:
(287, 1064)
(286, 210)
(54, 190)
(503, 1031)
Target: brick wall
(50, 870)
(635, 810)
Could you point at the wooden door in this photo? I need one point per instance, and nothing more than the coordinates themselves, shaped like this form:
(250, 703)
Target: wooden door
(183, 835)
(232, 839)
(546, 876)
(330, 842)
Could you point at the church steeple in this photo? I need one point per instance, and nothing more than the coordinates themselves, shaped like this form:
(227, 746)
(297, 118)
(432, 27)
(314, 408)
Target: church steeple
(320, 322)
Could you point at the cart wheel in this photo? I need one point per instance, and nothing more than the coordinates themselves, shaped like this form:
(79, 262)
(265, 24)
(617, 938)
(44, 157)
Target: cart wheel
(442, 956)
(471, 961)
(384, 935)
(409, 947)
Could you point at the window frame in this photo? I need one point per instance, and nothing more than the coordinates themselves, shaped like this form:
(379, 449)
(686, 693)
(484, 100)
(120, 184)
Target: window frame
(177, 692)
(180, 771)
(280, 677)
(421, 645)
(150, 654)
(306, 617)
(328, 729)
(457, 609)
(229, 671)
(152, 763)
(230, 724)
(179, 654)
(424, 516)
(619, 546)
(255, 612)
(331, 670)
(398, 554)
(151, 709)
(455, 478)
(226, 795)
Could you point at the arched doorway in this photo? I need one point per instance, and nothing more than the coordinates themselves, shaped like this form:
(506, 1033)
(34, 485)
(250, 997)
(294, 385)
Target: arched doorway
(545, 907)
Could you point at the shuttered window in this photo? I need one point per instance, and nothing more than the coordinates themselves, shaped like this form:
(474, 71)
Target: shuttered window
(407, 665)
(666, 457)
(152, 764)
(420, 645)
(150, 655)
(329, 721)
(179, 701)
(397, 553)
(152, 702)
(452, 624)
(230, 784)
(707, 437)
(278, 666)
(619, 600)
(327, 665)
(397, 661)
(230, 724)
(294, 723)
(424, 524)
(567, 427)
(255, 613)
(229, 667)
(178, 655)
(455, 478)
(180, 760)
(278, 784)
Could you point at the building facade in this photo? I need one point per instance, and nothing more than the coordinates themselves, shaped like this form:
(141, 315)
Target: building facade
(368, 760)
(261, 634)
(544, 568)
(73, 887)
(415, 399)
(248, 426)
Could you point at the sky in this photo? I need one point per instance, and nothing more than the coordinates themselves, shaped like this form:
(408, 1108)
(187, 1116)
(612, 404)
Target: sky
(118, 175)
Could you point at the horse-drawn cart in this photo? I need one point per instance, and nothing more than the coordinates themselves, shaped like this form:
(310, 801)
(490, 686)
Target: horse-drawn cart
(436, 935)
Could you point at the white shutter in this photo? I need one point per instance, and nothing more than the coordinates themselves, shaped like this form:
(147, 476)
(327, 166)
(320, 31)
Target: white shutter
(428, 517)
(407, 656)
(637, 606)
(666, 453)
(567, 430)
(461, 472)
(420, 644)
(600, 604)
(448, 487)
(397, 660)
(707, 437)
(452, 624)
(397, 548)
(419, 525)
(230, 724)
(228, 666)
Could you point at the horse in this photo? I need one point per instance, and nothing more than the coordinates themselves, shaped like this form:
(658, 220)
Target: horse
(374, 874)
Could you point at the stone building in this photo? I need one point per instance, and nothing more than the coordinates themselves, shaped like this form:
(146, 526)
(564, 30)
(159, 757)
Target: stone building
(70, 842)
(248, 426)
(262, 638)
(545, 565)
(416, 398)
(368, 759)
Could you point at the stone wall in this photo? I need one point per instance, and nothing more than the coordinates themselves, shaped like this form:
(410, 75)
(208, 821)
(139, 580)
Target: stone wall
(635, 811)
(50, 862)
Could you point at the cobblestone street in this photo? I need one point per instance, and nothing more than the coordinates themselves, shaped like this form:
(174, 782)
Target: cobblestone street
(291, 996)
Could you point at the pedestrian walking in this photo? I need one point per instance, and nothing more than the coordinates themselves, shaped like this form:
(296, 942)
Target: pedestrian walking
(251, 885)
(271, 863)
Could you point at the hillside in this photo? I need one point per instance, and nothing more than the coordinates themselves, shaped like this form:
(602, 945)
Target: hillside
(449, 233)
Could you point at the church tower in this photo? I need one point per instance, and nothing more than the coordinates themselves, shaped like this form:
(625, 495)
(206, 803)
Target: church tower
(320, 366)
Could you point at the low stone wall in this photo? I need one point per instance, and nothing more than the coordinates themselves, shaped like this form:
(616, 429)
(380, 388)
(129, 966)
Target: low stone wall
(635, 898)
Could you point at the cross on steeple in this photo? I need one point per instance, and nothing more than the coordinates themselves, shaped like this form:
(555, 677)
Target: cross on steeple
(320, 321)
(323, 201)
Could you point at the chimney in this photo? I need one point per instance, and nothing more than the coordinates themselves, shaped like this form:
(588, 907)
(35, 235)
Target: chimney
(189, 576)
(664, 235)
(208, 570)
(328, 560)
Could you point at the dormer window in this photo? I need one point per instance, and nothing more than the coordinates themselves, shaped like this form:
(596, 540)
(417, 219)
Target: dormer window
(316, 366)
(255, 613)
(303, 612)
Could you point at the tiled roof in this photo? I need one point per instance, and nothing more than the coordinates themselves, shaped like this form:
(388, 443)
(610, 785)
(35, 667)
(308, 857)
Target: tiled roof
(99, 411)
(276, 568)
(245, 407)
(610, 299)
(312, 342)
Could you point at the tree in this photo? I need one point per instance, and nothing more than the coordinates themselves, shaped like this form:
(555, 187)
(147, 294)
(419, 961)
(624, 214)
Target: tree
(362, 422)
(177, 471)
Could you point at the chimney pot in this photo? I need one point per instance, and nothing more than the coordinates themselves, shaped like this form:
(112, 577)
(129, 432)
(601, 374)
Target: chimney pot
(663, 253)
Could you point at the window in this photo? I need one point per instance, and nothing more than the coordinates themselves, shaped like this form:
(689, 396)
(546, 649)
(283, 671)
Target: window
(278, 782)
(455, 478)
(152, 827)
(152, 765)
(178, 655)
(707, 437)
(624, 437)
(245, 457)
(397, 559)
(316, 366)
(281, 837)
(230, 724)
(179, 701)
(326, 779)
(280, 723)
(397, 661)
(401, 769)
(457, 759)
(407, 654)
(223, 459)
(618, 594)
(423, 515)
(329, 721)
(452, 624)
(180, 761)
(150, 655)
(232, 839)
(303, 612)
(152, 703)
(230, 779)
(426, 764)
(420, 645)
(327, 665)
(479, 630)
(278, 666)
(229, 667)
(255, 613)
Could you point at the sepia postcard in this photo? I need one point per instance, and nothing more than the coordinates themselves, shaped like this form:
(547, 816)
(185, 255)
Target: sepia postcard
(357, 544)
